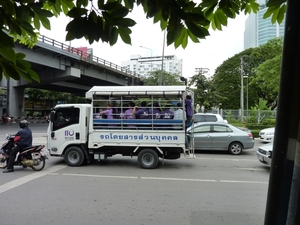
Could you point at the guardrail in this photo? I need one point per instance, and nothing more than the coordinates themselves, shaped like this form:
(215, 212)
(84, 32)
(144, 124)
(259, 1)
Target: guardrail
(85, 56)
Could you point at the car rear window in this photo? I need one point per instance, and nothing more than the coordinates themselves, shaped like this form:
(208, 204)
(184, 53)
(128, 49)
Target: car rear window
(205, 118)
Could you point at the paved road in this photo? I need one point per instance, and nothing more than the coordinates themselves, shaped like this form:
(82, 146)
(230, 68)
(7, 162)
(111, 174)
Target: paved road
(213, 189)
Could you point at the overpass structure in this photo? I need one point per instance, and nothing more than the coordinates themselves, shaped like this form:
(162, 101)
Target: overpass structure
(61, 68)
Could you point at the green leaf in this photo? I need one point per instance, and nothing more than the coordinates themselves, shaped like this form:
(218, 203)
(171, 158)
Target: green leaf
(93, 16)
(179, 39)
(209, 11)
(120, 13)
(6, 40)
(27, 27)
(125, 30)
(275, 3)
(281, 14)
(82, 3)
(10, 71)
(173, 34)
(46, 23)
(157, 17)
(193, 37)
(110, 6)
(15, 29)
(274, 17)
(125, 37)
(109, 19)
(216, 23)
(197, 30)
(100, 3)
(42, 12)
(113, 36)
(208, 3)
(228, 12)
(125, 22)
(20, 56)
(36, 22)
(129, 3)
(221, 17)
(9, 54)
(33, 75)
(163, 24)
(184, 40)
(77, 12)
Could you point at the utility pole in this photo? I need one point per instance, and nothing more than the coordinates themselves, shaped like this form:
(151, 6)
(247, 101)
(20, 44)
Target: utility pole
(242, 90)
(162, 60)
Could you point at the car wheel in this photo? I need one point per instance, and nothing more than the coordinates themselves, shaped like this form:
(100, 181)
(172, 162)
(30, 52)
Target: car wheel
(74, 156)
(235, 148)
(148, 159)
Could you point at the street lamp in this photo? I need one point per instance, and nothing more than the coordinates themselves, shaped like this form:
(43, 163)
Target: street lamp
(151, 55)
(201, 70)
(242, 87)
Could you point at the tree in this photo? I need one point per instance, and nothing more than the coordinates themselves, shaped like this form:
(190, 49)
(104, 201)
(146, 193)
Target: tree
(106, 21)
(50, 98)
(204, 92)
(261, 66)
(267, 71)
(167, 78)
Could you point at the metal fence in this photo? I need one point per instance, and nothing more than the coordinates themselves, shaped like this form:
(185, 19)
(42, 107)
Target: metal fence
(86, 55)
(250, 116)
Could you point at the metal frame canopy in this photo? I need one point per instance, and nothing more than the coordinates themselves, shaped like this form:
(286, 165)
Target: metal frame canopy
(135, 90)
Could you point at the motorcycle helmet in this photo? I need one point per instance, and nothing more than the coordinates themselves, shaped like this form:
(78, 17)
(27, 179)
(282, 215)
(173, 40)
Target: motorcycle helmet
(23, 123)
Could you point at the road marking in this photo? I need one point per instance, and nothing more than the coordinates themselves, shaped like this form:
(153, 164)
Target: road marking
(165, 178)
(243, 181)
(15, 183)
(252, 169)
(99, 176)
(222, 159)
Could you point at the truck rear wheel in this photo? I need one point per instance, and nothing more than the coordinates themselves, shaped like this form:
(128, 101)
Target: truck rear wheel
(148, 159)
(74, 156)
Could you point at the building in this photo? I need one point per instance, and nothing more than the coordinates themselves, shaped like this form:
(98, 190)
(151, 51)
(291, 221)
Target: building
(144, 65)
(259, 30)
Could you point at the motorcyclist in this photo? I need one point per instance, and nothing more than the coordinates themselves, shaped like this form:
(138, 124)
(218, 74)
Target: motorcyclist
(23, 139)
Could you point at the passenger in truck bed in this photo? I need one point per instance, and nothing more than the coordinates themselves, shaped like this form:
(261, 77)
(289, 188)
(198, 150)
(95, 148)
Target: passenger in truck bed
(141, 112)
(108, 113)
(129, 115)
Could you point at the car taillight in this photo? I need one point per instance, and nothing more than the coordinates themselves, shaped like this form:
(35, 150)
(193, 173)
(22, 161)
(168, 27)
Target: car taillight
(250, 135)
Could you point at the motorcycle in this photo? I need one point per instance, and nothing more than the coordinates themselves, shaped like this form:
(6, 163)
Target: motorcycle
(32, 156)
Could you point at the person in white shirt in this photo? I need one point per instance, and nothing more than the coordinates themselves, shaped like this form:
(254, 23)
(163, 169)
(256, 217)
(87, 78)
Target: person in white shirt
(180, 115)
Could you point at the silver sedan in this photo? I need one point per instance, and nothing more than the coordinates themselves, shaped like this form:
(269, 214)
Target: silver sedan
(264, 153)
(220, 136)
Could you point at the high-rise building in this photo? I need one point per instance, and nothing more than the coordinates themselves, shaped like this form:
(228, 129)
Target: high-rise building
(259, 30)
(144, 65)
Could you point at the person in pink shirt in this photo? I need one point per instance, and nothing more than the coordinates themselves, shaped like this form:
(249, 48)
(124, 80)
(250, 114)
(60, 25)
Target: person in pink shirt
(108, 114)
(129, 115)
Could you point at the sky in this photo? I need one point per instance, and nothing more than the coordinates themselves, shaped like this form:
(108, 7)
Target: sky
(209, 53)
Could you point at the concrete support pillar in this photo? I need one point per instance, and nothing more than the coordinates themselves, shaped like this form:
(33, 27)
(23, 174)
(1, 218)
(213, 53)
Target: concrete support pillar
(15, 103)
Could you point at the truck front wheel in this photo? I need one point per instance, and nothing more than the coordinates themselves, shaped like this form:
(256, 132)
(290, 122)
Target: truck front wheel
(148, 159)
(74, 156)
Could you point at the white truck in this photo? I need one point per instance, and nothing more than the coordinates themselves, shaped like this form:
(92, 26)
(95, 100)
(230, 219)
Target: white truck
(81, 133)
